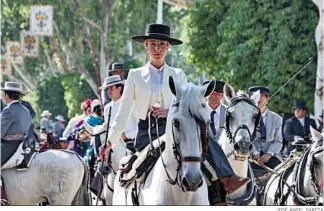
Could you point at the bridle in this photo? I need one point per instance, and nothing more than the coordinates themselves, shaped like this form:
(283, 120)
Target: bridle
(228, 116)
(314, 182)
(203, 127)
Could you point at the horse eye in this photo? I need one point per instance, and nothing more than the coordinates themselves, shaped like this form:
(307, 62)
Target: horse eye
(176, 123)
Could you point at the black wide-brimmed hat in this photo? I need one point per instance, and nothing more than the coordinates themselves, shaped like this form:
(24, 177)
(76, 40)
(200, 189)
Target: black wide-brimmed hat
(117, 66)
(219, 85)
(157, 31)
(263, 89)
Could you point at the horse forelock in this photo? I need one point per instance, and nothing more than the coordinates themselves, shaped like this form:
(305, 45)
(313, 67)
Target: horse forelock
(242, 93)
(191, 100)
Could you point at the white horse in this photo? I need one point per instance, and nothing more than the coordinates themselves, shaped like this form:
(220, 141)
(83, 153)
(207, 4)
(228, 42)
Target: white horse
(303, 183)
(185, 144)
(242, 116)
(60, 177)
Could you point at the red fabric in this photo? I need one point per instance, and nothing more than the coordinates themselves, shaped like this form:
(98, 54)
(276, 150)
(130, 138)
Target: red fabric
(47, 146)
(79, 123)
(88, 102)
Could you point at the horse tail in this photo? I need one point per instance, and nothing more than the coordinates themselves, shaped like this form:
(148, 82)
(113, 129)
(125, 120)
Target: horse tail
(83, 196)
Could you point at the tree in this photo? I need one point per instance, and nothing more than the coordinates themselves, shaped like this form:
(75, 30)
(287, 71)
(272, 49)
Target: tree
(256, 43)
(67, 54)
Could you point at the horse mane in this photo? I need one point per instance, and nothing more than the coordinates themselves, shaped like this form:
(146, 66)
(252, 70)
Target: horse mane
(190, 99)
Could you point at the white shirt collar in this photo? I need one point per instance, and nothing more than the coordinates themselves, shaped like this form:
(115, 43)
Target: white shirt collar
(116, 102)
(302, 120)
(217, 109)
(264, 114)
(156, 69)
(14, 101)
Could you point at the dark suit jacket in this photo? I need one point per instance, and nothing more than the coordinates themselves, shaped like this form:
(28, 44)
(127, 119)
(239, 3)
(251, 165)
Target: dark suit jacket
(293, 127)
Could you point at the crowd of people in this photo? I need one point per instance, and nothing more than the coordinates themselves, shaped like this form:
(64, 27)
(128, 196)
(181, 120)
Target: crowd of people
(146, 95)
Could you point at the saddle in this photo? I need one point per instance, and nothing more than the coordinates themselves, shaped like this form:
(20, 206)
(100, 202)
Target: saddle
(22, 158)
(139, 165)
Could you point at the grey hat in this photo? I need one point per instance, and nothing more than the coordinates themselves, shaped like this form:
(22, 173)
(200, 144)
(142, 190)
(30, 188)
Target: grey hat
(14, 87)
(111, 81)
(60, 118)
(46, 113)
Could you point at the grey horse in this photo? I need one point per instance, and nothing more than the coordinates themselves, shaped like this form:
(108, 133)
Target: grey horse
(57, 176)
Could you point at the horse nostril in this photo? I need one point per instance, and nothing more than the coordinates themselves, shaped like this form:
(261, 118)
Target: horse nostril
(236, 146)
(250, 147)
(185, 182)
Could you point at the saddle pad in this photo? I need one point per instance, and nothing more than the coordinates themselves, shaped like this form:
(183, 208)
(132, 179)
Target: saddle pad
(16, 159)
(141, 157)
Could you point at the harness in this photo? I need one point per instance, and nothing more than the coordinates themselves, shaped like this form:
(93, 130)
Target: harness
(176, 148)
(295, 188)
(228, 117)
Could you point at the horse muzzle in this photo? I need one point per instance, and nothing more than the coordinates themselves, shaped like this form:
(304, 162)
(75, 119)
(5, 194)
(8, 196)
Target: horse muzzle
(191, 182)
(242, 149)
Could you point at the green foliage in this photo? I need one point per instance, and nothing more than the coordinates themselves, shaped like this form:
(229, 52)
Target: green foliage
(50, 96)
(76, 90)
(252, 42)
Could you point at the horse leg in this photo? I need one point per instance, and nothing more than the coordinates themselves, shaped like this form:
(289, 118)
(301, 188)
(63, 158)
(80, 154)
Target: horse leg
(108, 189)
(4, 200)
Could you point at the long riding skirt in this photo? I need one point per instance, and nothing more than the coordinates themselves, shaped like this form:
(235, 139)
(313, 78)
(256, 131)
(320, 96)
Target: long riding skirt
(8, 148)
(143, 139)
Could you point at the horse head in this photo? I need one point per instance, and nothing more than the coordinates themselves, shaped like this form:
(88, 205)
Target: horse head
(316, 160)
(242, 119)
(189, 129)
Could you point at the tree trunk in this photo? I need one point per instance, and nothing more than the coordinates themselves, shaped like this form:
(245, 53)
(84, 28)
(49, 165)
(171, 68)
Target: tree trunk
(23, 75)
(319, 38)
(90, 81)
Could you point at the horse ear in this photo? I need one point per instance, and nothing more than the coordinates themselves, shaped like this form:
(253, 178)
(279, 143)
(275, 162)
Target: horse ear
(256, 97)
(209, 88)
(316, 136)
(172, 86)
(228, 94)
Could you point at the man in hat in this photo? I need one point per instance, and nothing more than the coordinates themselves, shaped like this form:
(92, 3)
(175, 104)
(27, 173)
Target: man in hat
(117, 69)
(15, 123)
(269, 141)
(298, 126)
(45, 122)
(115, 87)
(147, 89)
(58, 127)
(217, 111)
